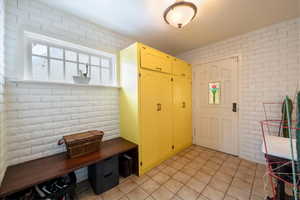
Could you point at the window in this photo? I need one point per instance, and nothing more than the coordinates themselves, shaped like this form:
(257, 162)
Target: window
(58, 61)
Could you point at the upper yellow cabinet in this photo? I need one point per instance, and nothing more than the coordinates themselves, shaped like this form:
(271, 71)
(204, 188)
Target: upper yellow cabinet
(181, 68)
(155, 60)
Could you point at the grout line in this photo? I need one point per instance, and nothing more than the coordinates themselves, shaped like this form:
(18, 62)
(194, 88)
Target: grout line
(253, 180)
(230, 184)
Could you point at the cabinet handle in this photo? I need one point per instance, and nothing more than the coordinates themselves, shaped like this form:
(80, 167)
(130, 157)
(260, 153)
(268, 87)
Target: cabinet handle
(183, 105)
(158, 107)
(159, 68)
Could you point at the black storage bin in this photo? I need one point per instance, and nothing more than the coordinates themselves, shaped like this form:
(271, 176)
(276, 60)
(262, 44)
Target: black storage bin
(104, 175)
(125, 165)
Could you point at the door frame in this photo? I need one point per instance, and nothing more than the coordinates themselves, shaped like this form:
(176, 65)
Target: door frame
(215, 59)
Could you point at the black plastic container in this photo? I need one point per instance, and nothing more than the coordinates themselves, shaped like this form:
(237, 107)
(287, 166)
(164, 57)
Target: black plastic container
(125, 165)
(104, 175)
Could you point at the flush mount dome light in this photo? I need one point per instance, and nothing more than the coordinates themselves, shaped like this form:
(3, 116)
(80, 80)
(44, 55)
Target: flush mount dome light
(180, 13)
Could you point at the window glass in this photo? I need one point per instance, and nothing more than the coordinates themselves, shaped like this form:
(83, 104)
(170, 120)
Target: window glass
(95, 75)
(56, 70)
(39, 49)
(82, 68)
(71, 56)
(61, 63)
(105, 75)
(71, 70)
(56, 52)
(95, 60)
(83, 58)
(105, 62)
(39, 68)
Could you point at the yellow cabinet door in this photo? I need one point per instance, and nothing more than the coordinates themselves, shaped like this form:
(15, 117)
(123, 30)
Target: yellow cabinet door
(149, 92)
(155, 118)
(165, 117)
(181, 68)
(182, 113)
(155, 60)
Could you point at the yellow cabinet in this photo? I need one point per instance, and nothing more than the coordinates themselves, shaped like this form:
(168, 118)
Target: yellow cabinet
(182, 113)
(181, 68)
(155, 60)
(151, 100)
(155, 118)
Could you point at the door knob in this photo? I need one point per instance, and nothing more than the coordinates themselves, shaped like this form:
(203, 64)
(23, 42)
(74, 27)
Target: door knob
(234, 107)
(158, 107)
(183, 105)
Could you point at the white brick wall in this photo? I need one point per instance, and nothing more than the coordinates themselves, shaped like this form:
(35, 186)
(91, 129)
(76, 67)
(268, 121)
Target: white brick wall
(269, 70)
(2, 132)
(40, 114)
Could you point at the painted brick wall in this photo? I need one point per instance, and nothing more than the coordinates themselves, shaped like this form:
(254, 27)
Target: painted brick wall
(269, 70)
(39, 114)
(2, 132)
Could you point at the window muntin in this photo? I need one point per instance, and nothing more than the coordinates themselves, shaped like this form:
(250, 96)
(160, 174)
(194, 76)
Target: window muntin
(59, 64)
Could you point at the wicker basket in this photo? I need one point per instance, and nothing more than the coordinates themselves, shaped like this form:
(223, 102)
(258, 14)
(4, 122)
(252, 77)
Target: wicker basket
(82, 143)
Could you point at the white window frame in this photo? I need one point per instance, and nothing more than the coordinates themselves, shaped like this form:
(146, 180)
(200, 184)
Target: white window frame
(30, 38)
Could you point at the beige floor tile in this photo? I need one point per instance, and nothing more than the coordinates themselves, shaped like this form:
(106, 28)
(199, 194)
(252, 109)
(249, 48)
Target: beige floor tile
(161, 178)
(187, 193)
(152, 172)
(140, 179)
(112, 194)
(195, 173)
(224, 177)
(205, 178)
(245, 177)
(196, 185)
(181, 177)
(161, 166)
(219, 185)
(137, 194)
(241, 184)
(150, 198)
(177, 165)
(175, 197)
(213, 194)
(238, 194)
(188, 171)
(212, 165)
(150, 186)
(228, 197)
(170, 171)
(208, 170)
(173, 185)
(162, 193)
(183, 160)
(227, 170)
(127, 186)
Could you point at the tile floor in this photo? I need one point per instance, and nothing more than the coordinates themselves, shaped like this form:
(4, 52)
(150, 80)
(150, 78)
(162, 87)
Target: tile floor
(196, 173)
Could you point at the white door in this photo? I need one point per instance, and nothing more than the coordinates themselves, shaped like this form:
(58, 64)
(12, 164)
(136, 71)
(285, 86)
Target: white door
(215, 125)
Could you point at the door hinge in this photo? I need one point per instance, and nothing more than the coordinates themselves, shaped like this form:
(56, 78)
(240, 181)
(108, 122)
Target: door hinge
(141, 163)
(173, 147)
(140, 74)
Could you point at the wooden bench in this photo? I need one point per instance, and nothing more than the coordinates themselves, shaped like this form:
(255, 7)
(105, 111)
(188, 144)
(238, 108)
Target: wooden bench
(28, 174)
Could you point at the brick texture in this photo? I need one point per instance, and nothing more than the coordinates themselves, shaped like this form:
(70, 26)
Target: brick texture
(37, 115)
(269, 70)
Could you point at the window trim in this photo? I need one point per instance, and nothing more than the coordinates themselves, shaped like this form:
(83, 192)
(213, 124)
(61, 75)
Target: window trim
(30, 37)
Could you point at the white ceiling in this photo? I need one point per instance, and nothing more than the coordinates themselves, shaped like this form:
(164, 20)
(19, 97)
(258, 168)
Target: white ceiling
(216, 19)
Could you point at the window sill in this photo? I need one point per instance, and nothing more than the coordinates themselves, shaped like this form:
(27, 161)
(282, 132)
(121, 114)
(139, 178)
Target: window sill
(62, 83)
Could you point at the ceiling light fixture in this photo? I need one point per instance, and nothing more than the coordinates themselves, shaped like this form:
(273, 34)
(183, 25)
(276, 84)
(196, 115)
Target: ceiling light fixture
(180, 13)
